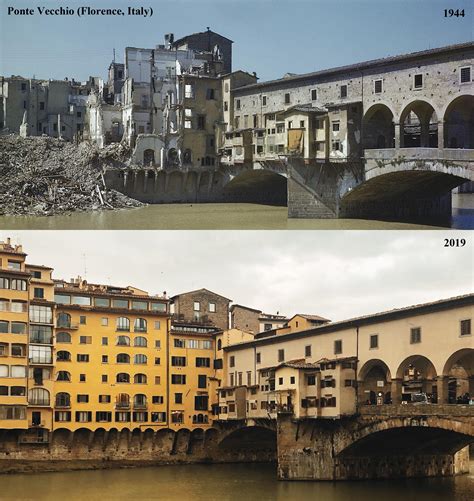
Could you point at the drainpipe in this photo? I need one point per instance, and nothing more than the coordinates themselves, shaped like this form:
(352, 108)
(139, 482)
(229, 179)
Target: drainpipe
(356, 371)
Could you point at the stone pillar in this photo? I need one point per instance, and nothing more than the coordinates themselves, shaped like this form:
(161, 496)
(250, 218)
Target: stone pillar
(425, 134)
(125, 177)
(396, 391)
(135, 179)
(440, 135)
(442, 384)
(145, 180)
(398, 139)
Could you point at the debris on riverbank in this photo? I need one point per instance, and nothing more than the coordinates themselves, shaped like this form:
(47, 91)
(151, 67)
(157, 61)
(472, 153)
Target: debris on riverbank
(48, 176)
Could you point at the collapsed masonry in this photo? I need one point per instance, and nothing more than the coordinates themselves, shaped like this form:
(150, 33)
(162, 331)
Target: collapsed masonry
(47, 176)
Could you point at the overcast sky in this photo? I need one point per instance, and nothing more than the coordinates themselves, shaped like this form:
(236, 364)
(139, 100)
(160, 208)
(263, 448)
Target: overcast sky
(271, 37)
(334, 274)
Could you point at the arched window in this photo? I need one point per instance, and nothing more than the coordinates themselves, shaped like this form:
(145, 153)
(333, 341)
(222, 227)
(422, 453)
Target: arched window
(140, 341)
(63, 337)
(139, 379)
(123, 341)
(63, 376)
(63, 400)
(123, 377)
(123, 324)
(140, 325)
(139, 401)
(123, 358)
(64, 320)
(38, 396)
(219, 344)
(63, 356)
(140, 359)
(123, 401)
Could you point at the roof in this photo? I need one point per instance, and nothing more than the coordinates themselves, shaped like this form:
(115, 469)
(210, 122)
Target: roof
(183, 39)
(199, 290)
(244, 307)
(310, 317)
(363, 65)
(384, 316)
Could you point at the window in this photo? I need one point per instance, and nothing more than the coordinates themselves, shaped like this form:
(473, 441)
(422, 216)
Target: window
(105, 359)
(335, 126)
(139, 379)
(82, 378)
(157, 399)
(140, 341)
(338, 347)
(62, 416)
(193, 344)
(123, 358)
(201, 402)
(178, 379)
(105, 378)
(203, 362)
(237, 104)
(38, 292)
(178, 398)
(264, 100)
(41, 314)
(378, 86)
(63, 400)
(307, 351)
(197, 306)
(415, 335)
(62, 299)
(311, 380)
(177, 416)
(4, 283)
(120, 303)
(63, 376)
(374, 341)
(82, 358)
(157, 325)
(140, 325)
(63, 337)
(287, 98)
(14, 265)
(314, 95)
(232, 361)
(123, 377)
(343, 91)
(157, 360)
(103, 417)
(140, 359)
(105, 341)
(64, 320)
(18, 350)
(83, 416)
(212, 307)
(206, 344)
(20, 285)
(38, 396)
(123, 324)
(258, 358)
(188, 91)
(418, 81)
(82, 399)
(178, 361)
(157, 379)
(465, 74)
(280, 380)
(337, 146)
(281, 355)
(292, 380)
(202, 381)
(18, 328)
(3, 327)
(63, 356)
(81, 300)
(123, 341)
(466, 327)
(102, 302)
(85, 339)
(210, 94)
(158, 417)
(41, 354)
(201, 122)
(104, 321)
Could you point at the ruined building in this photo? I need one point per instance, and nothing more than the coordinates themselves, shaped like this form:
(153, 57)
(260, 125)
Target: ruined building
(52, 107)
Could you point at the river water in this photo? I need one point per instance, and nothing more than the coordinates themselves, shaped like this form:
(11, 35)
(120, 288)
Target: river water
(223, 482)
(219, 217)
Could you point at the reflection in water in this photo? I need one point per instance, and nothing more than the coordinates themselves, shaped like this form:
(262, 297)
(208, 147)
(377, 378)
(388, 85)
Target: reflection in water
(219, 217)
(223, 482)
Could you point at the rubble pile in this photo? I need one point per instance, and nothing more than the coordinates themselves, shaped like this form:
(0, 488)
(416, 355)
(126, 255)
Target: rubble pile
(46, 176)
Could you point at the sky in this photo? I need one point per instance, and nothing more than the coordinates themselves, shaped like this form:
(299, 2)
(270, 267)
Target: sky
(271, 37)
(285, 271)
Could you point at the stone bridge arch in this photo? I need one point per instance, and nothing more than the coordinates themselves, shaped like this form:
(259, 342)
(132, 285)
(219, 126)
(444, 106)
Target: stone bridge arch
(408, 435)
(257, 186)
(256, 437)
